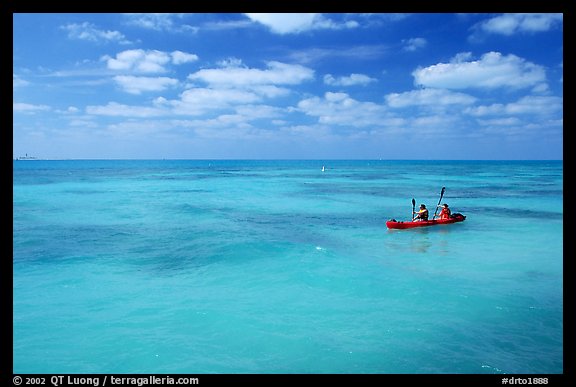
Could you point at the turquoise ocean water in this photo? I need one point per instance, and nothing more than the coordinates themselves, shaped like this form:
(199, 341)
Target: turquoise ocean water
(277, 267)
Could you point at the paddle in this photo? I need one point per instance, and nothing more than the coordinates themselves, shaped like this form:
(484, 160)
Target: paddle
(413, 207)
(441, 194)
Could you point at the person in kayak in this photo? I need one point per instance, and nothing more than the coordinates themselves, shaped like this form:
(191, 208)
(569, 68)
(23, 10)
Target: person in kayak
(445, 213)
(422, 214)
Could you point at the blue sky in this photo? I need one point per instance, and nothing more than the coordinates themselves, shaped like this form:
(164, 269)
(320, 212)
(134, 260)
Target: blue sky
(288, 86)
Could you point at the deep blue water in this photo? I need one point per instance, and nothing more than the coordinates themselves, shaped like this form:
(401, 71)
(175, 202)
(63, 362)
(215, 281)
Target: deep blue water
(176, 266)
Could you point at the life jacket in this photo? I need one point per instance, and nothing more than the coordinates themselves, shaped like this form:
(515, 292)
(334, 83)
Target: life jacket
(445, 213)
(423, 214)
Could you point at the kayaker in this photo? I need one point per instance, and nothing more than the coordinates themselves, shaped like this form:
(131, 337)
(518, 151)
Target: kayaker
(422, 214)
(445, 213)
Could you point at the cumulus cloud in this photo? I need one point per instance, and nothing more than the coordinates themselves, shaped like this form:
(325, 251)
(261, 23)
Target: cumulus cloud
(229, 89)
(137, 85)
(235, 88)
(341, 109)
(351, 80)
(253, 112)
(218, 97)
(432, 97)
(197, 101)
(512, 23)
(534, 105)
(180, 57)
(493, 70)
(236, 76)
(506, 122)
(147, 61)
(192, 102)
(294, 23)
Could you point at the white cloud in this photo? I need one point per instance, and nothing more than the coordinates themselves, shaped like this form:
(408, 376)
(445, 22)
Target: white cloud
(340, 109)
(414, 44)
(223, 25)
(431, 97)
(373, 120)
(433, 125)
(269, 91)
(285, 23)
(150, 61)
(493, 70)
(217, 97)
(137, 85)
(507, 121)
(321, 23)
(351, 80)
(197, 101)
(294, 23)
(28, 108)
(277, 73)
(232, 125)
(486, 110)
(18, 82)
(509, 24)
(233, 87)
(533, 105)
(252, 112)
(541, 105)
(230, 62)
(147, 61)
(88, 31)
(180, 57)
(159, 22)
(153, 21)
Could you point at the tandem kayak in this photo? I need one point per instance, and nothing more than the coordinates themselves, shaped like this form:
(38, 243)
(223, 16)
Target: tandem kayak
(393, 223)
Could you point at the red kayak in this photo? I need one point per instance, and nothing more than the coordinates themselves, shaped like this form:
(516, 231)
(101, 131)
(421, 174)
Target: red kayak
(393, 223)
